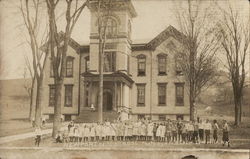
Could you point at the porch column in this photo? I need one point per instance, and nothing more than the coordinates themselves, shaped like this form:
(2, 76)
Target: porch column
(115, 96)
(85, 94)
(121, 94)
(125, 96)
(90, 94)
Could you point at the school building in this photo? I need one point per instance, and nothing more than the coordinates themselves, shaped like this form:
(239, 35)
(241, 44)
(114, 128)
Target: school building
(140, 79)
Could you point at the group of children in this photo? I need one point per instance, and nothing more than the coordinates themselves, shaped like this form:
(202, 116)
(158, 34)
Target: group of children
(169, 131)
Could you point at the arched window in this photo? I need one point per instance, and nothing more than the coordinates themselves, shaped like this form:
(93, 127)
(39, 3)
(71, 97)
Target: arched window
(69, 66)
(111, 26)
(141, 65)
(162, 64)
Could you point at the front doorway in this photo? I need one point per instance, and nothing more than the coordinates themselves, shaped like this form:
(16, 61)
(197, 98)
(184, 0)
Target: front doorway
(107, 101)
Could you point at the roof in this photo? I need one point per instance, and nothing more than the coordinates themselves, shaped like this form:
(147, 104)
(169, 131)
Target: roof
(76, 46)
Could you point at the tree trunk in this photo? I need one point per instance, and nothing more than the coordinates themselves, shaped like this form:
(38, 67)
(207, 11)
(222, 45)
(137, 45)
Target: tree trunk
(191, 101)
(100, 99)
(38, 110)
(237, 104)
(31, 98)
(57, 110)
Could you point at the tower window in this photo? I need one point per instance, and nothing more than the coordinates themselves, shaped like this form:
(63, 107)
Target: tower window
(109, 61)
(87, 64)
(111, 26)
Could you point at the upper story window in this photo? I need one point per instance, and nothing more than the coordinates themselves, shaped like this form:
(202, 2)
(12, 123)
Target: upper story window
(162, 64)
(179, 94)
(141, 65)
(109, 61)
(69, 66)
(178, 67)
(111, 26)
(87, 64)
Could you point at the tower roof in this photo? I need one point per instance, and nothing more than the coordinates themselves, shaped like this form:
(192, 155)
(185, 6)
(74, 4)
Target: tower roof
(115, 5)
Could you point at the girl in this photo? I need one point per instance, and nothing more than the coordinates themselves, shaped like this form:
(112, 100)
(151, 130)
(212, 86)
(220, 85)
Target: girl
(225, 136)
(201, 130)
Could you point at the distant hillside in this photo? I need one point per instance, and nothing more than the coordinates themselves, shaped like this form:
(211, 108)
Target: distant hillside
(14, 100)
(14, 87)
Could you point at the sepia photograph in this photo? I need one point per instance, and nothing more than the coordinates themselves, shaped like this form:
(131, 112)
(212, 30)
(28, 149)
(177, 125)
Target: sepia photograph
(124, 79)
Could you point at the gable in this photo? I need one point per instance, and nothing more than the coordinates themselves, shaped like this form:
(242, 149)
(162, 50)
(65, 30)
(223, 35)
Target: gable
(164, 35)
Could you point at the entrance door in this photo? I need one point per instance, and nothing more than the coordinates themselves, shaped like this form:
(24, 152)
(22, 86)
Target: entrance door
(107, 101)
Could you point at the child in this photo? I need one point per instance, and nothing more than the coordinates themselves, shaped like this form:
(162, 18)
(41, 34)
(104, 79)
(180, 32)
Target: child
(215, 128)
(150, 133)
(38, 133)
(174, 132)
(201, 130)
(207, 128)
(225, 136)
(196, 132)
(184, 133)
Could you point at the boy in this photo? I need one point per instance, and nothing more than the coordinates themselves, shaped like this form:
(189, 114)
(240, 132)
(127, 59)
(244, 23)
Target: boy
(215, 133)
(201, 130)
(38, 133)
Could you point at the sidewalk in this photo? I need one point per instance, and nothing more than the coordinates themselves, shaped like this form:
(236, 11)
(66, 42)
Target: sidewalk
(45, 131)
(22, 136)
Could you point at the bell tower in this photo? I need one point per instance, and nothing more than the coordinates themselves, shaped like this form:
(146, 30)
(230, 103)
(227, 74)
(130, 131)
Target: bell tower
(114, 16)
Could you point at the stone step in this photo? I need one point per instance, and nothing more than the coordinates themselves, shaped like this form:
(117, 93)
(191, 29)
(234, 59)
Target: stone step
(87, 116)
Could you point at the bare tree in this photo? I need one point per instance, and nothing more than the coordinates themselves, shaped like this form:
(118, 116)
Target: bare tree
(29, 86)
(197, 59)
(30, 12)
(104, 8)
(58, 55)
(234, 36)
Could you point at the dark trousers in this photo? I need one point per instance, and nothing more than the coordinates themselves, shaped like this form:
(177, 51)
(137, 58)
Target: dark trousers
(207, 134)
(201, 134)
(215, 136)
(37, 140)
(195, 137)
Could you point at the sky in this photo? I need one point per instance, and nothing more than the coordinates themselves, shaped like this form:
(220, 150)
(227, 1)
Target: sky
(153, 17)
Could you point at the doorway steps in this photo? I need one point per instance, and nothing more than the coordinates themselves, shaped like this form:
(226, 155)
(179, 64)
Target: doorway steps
(88, 116)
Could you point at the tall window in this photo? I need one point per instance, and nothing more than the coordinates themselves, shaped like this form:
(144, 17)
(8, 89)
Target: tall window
(52, 91)
(111, 26)
(141, 65)
(162, 117)
(179, 93)
(129, 29)
(162, 64)
(51, 69)
(162, 94)
(141, 94)
(178, 68)
(87, 64)
(69, 66)
(68, 95)
(109, 61)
